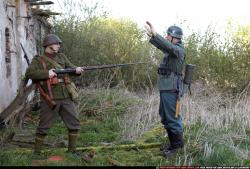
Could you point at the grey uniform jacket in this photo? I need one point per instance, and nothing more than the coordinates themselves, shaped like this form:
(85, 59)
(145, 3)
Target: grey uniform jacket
(173, 61)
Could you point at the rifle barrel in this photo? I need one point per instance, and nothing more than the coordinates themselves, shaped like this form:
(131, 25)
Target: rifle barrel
(71, 70)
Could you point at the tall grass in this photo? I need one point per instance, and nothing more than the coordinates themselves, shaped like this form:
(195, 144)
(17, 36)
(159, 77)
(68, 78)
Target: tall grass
(140, 117)
(214, 109)
(216, 126)
(223, 122)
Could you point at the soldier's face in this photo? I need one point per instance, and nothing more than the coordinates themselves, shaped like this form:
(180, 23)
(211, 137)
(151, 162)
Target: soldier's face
(175, 40)
(54, 48)
(172, 39)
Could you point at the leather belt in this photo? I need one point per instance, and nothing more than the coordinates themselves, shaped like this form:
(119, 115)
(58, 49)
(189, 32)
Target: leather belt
(164, 71)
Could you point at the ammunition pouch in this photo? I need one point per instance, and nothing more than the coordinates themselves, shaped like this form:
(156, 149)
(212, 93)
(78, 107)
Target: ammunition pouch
(73, 91)
(56, 80)
(66, 79)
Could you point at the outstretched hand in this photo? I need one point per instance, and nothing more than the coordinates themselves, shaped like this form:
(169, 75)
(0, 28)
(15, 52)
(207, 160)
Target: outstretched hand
(150, 29)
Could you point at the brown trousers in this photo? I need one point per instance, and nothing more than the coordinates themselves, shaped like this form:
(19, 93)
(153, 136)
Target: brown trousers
(65, 108)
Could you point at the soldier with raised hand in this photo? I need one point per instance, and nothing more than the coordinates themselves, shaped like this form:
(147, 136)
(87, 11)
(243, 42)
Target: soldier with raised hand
(57, 92)
(170, 83)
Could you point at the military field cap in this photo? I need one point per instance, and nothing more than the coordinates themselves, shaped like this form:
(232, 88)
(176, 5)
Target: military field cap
(175, 32)
(51, 39)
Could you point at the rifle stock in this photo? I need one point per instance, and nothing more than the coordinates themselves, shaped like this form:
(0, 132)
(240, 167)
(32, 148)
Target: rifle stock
(89, 68)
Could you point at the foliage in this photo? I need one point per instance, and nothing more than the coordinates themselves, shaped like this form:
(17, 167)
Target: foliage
(222, 61)
(94, 38)
(103, 40)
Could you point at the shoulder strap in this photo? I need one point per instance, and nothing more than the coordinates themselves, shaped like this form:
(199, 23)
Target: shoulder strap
(47, 81)
(53, 62)
(43, 63)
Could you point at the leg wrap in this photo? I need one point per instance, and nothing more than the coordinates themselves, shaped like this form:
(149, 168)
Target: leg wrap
(72, 140)
(38, 143)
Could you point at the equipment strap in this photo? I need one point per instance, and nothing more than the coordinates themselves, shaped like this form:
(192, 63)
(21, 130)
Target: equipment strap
(46, 97)
(53, 62)
(47, 81)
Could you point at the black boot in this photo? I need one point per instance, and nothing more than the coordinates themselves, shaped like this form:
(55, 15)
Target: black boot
(166, 145)
(176, 143)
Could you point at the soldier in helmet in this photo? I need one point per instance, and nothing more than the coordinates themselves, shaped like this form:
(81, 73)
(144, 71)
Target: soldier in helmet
(170, 84)
(55, 90)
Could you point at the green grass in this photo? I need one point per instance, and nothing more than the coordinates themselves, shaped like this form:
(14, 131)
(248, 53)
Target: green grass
(204, 145)
(193, 153)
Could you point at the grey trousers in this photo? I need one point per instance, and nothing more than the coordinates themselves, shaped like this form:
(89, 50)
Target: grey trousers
(167, 111)
(65, 108)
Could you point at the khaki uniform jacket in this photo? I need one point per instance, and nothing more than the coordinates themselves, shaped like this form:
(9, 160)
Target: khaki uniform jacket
(36, 72)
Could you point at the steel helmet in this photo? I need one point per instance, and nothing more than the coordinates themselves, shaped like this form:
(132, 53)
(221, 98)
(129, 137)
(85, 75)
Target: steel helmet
(175, 32)
(51, 39)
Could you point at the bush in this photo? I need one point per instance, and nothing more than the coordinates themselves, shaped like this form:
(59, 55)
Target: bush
(221, 61)
(102, 40)
(96, 39)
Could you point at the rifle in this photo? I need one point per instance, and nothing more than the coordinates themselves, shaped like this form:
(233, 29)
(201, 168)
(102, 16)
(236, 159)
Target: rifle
(25, 55)
(72, 70)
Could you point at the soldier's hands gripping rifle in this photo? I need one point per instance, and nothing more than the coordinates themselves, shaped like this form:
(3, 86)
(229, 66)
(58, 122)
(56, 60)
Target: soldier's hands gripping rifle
(89, 68)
